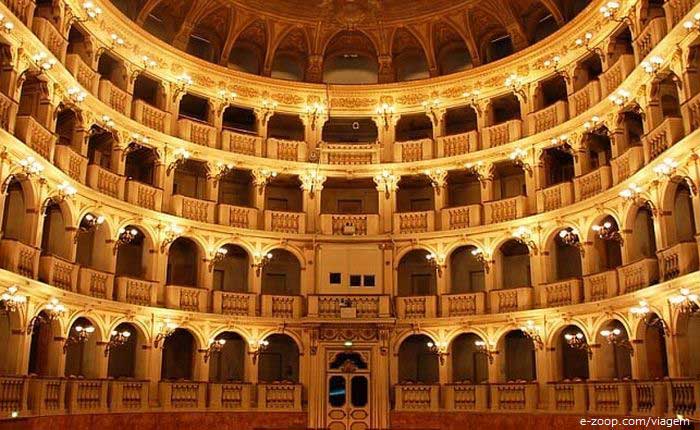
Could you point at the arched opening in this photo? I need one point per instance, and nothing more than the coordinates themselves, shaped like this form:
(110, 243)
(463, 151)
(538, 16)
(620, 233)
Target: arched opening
(282, 275)
(643, 238)
(503, 109)
(682, 228)
(284, 194)
(15, 225)
(208, 36)
(100, 148)
(350, 130)
(451, 52)
(54, 234)
(279, 362)
(655, 361)
(513, 265)
(599, 149)
(194, 108)
(44, 348)
(573, 361)
(467, 274)
(191, 180)
(615, 361)
(558, 163)
(240, 120)
(497, 46)
(79, 44)
(179, 351)
(92, 244)
(460, 120)
(508, 181)
(231, 272)
(132, 257)
(416, 276)
(124, 357)
(286, 127)
(463, 189)
(249, 50)
(140, 164)
(112, 70)
(228, 365)
(183, 263)
(34, 104)
(589, 70)
(417, 364)
(566, 258)
(620, 45)
(666, 95)
(290, 60)
(236, 188)
(149, 90)
(408, 57)
(414, 127)
(688, 332)
(415, 194)
(11, 337)
(469, 366)
(607, 246)
(519, 356)
(551, 91)
(81, 349)
(69, 130)
(350, 58)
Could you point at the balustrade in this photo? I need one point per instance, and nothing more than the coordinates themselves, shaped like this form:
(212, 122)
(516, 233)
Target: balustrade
(237, 216)
(414, 150)
(638, 275)
(35, 136)
(461, 217)
(281, 306)
(136, 291)
(505, 210)
(289, 150)
(86, 396)
(282, 396)
(229, 396)
(679, 259)
(560, 293)
(143, 195)
(151, 116)
(416, 307)
(74, 165)
(593, 183)
(497, 135)
(568, 397)
(19, 258)
(627, 164)
(547, 118)
(459, 305)
(190, 299)
(466, 397)
(193, 209)
(662, 137)
(106, 182)
(285, 222)
(246, 144)
(114, 97)
(417, 397)
(197, 132)
(414, 222)
(182, 395)
(514, 299)
(82, 72)
(609, 398)
(518, 397)
(458, 144)
(58, 272)
(600, 286)
(353, 306)
(555, 197)
(237, 304)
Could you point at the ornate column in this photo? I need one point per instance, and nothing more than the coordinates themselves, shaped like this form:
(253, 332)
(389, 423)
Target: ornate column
(261, 177)
(314, 69)
(438, 179)
(312, 185)
(387, 185)
(386, 69)
(386, 120)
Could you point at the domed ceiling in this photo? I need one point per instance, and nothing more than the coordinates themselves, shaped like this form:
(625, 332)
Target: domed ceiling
(351, 41)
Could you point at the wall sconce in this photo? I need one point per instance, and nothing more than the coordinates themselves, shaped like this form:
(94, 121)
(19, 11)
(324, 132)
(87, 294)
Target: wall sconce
(483, 347)
(76, 95)
(585, 42)
(143, 140)
(524, 236)
(482, 258)
(260, 260)
(222, 169)
(608, 232)
(312, 181)
(172, 232)
(653, 65)
(596, 127)
(632, 194)
(610, 11)
(571, 237)
(6, 25)
(53, 310)
(554, 63)
(532, 332)
(480, 170)
(386, 113)
(266, 110)
(227, 97)
(431, 108)
(116, 339)
(257, 348)
(44, 61)
(218, 257)
(472, 98)
(620, 98)
(91, 10)
(439, 349)
(215, 346)
(80, 335)
(578, 341)
(263, 177)
(165, 330)
(116, 40)
(181, 83)
(89, 224)
(107, 122)
(667, 168)
(519, 158)
(693, 24)
(64, 191)
(148, 63)
(124, 237)
(560, 140)
(437, 179)
(314, 111)
(387, 182)
(516, 84)
(686, 302)
(180, 156)
(437, 262)
(615, 338)
(11, 300)
(642, 311)
(30, 167)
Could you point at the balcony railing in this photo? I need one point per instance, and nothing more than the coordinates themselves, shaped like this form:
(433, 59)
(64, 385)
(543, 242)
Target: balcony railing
(19, 258)
(514, 397)
(416, 307)
(459, 305)
(662, 137)
(461, 217)
(350, 153)
(86, 396)
(128, 396)
(50, 36)
(240, 304)
(583, 99)
(285, 222)
(600, 286)
(513, 299)
(182, 395)
(106, 182)
(281, 306)
(186, 298)
(114, 97)
(241, 143)
(136, 291)
(679, 259)
(143, 195)
(95, 283)
(497, 135)
(638, 275)
(151, 116)
(71, 163)
(229, 396)
(350, 306)
(414, 222)
(279, 397)
(608, 398)
(238, 216)
(561, 293)
(193, 209)
(35, 136)
(593, 183)
(568, 397)
(58, 272)
(505, 210)
(466, 397)
(627, 164)
(47, 396)
(414, 150)
(612, 78)
(555, 197)
(13, 394)
(548, 117)
(290, 150)
(350, 225)
(82, 72)
(650, 36)
(197, 132)
(458, 144)
(417, 397)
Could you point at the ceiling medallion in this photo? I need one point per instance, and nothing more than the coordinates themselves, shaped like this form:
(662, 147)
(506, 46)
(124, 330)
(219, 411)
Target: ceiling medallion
(351, 13)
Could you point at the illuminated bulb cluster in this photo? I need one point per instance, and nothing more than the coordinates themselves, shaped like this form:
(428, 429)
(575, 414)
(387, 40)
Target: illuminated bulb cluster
(610, 9)
(585, 40)
(632, 192)
(564, 138)
(693, 24)
(107, 121)
(514, 82)
(30, 166)
(620, 98)
(11, 300)
(116, 39)
(667, 168)
(44, 61)
(76, 94)
(592, 123)
(227, 96)
(148, 62)
(185, 80)
(66, 190)
(640, 310)
(653, 65)
(553, 62)
(431, 104)
(6, 25)
(269, 104)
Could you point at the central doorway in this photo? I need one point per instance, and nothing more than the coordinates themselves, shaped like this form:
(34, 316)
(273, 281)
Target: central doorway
(348, 391)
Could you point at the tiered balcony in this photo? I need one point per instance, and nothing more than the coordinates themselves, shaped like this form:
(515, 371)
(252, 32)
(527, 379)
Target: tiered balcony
(74, 165)
(662, 137)
(584, 99)
(691, 113)
(683, 398)
(182, 395)
(600, 286)
(281, 306)
(22, 9)
(547, 118)
(189, 299)
(593, 183)
(562, 293)
(151, 116)
(82, 72)
(58, 272)
(414, 150)
(649, 37)
(86, 396)
(237, 304)
(350, 154)
(638, 275)
(240, 143)
(676, 10)
(143, 195)
(510, 300)
(106, 182)
(514, 397)
(19, 258)
(417, 397)
(350, 225)
(128, 396)
(47, 396)
(285, 222)
(680, 259)
(416, 307)
(497, 135)
(95, 283)
(460, 305)
(616, 73)
(414, 222)
(238, 216)
(648, 398)
(8, 112)
(608, 398)
(627, 164)
(458, 144)
(114, 97)
(35, 136)
(229, 396)
(568, 397)
(197, 132)
(289, 150)
(50, 36)
(505, 210)
(349, 306)
(555, 197)
(279, 397)
(466, 397)
(13, 394)
(461, 217)
(136, 291)
(193, 209)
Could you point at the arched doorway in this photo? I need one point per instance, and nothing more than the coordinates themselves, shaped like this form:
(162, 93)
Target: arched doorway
(348, 391)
